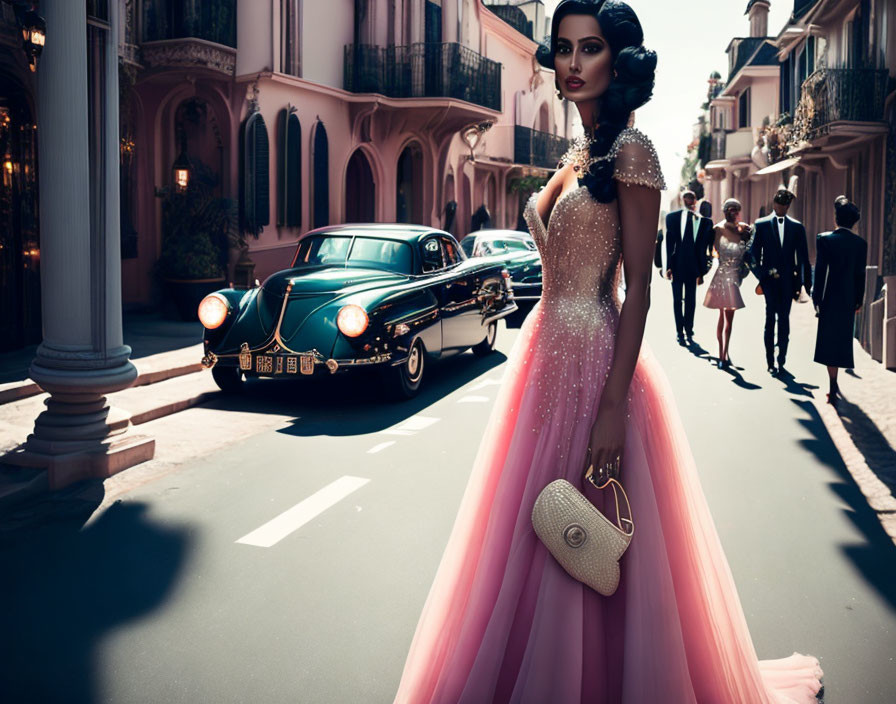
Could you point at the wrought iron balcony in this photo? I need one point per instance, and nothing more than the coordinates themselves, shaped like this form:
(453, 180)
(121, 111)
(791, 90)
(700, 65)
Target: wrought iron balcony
(211, 20)
(833, 95)
(430, 70)
(190, 34)
(536, 148)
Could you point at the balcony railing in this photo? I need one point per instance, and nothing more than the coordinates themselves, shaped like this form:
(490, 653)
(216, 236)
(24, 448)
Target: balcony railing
(839, 94)
(211, 20)
(536, 148)
(424, 70)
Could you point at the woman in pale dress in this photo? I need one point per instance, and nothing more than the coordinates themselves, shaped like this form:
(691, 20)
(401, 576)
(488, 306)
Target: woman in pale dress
(731, 239)
(503, 621)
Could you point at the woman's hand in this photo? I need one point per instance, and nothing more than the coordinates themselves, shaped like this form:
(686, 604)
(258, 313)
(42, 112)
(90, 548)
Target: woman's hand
(607, 443)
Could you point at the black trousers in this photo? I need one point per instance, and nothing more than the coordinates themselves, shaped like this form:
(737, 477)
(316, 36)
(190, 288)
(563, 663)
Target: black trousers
(777, 311)
(684, 314)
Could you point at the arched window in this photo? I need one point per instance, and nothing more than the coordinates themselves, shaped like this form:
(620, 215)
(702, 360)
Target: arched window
(289, 169)
(320, 209)
(360, 190)
(408, 194)
(256, 179)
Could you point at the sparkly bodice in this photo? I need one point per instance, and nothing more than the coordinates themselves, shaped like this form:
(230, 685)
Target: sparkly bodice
(581, 248)
(581, 244)
(731, 254)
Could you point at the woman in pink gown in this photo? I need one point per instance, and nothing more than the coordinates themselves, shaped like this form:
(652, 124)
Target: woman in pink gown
(503, 621)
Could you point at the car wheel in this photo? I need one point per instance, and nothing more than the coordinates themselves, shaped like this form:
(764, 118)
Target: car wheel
(403, 381)
(228, 379)
(487, 346)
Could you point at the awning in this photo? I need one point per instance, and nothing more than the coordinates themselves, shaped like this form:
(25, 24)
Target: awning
(779, 166)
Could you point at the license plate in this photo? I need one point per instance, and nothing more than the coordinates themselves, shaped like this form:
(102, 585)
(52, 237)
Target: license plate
(280, 364)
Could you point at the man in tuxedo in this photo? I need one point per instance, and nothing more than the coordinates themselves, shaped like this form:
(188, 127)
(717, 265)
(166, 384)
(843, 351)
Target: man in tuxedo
(689, 239)
(780, 260)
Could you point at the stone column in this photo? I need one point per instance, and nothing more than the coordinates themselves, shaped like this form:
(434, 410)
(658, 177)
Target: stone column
(81, 358)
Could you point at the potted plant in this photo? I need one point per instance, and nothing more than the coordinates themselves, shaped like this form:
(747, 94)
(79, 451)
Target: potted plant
(197, 227)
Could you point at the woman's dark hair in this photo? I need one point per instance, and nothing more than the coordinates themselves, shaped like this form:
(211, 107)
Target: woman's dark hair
(631, 87)
(846, 213)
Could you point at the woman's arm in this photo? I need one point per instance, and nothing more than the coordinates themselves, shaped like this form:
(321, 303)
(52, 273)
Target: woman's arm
(638, 209)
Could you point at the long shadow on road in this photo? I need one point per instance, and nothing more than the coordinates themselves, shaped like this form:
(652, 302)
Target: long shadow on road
(875, 559)
(65, 586)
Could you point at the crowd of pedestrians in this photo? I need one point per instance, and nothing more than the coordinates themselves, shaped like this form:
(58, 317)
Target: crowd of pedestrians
(775, 249)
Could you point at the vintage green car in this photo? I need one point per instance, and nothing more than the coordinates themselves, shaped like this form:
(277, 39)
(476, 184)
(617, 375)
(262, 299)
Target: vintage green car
(375, 296)
(517, 251)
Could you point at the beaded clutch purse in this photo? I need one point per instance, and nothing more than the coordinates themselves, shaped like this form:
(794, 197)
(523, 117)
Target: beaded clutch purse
(587, 544)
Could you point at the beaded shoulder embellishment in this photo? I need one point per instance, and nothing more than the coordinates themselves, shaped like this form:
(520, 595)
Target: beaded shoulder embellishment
(579, 152)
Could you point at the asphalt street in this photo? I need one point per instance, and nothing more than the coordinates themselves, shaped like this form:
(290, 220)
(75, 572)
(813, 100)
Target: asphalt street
(292, 565)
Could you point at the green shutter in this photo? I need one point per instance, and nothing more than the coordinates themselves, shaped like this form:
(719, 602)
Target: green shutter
(256, 189)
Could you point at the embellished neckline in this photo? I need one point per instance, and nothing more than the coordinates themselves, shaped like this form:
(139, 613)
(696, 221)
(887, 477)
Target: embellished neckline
(534, 197)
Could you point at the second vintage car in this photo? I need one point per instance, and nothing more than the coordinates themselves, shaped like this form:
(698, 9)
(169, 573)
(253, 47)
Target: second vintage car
(517, 251)
(373, 296)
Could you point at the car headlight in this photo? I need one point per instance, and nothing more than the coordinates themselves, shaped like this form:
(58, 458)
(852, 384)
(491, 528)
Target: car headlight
(352, 320)
(213, 311)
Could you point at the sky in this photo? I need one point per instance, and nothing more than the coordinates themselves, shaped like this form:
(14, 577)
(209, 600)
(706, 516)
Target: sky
(690, 38)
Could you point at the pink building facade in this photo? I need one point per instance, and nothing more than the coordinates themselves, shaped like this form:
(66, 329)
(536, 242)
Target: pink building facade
(373, 110)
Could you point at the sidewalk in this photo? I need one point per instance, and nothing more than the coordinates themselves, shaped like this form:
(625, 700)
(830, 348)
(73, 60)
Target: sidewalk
(863, 427)
(166, 354)
(149, 336)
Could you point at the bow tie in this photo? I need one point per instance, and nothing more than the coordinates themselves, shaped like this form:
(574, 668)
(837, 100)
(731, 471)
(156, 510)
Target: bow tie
(780, 221)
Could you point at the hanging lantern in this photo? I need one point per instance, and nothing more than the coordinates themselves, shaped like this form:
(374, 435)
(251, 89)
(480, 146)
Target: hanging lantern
(181, 171)
(34, 35)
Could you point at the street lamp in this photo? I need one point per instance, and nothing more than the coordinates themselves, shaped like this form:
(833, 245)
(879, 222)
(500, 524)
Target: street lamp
(34, 34)
(181, 169)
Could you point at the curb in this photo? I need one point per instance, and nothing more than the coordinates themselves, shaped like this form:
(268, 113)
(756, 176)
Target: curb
(17, 390)
(880, 498)
(172, 408)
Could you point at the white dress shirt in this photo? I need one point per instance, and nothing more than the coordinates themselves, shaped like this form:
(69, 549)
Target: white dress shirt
(779, 224)
(684, 222)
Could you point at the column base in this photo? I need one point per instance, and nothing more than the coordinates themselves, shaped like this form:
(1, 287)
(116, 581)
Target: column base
(70, 462)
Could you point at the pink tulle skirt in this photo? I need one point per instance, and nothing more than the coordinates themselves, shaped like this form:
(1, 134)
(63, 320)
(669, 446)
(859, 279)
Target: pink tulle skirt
(503, 621)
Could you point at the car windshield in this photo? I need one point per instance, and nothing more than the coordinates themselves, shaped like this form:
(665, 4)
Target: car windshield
(368, 252)
(499, 246)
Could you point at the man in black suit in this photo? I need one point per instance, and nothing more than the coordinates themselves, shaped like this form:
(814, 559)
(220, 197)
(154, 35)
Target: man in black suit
(780, 260)
(689, 240)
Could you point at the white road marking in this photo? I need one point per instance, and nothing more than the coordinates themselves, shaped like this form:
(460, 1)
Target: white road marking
(473, 399)
(381, 446)
(486, 382)
(411, 426)
(291, 520)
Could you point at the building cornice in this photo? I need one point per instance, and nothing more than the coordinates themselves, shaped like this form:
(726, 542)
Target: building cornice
(494, 25)
(189, 53)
